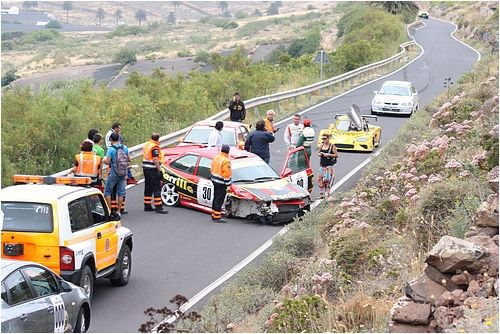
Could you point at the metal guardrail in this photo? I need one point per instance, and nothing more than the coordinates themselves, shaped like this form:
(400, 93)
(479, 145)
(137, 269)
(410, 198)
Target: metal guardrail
(173, 138)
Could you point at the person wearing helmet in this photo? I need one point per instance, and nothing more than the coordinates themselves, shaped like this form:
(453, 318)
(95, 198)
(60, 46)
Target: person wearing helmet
(306, 138)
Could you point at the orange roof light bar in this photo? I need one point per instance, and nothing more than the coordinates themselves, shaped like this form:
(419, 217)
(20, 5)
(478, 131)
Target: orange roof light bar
(40, 179)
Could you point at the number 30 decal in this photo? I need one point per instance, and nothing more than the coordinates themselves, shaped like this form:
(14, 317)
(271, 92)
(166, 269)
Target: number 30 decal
(205, 192)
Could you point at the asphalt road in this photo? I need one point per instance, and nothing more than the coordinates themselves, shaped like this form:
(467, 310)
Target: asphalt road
(182, 253)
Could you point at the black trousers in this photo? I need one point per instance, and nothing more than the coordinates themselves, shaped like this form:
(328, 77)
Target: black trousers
(219, 196)
(152, 187)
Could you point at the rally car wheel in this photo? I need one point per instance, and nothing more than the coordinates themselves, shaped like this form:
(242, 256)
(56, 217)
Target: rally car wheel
(169, 195)
(81, 322)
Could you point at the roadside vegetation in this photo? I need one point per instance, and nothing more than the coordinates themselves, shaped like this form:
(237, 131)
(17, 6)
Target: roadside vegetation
(342, 267)
(64, 112)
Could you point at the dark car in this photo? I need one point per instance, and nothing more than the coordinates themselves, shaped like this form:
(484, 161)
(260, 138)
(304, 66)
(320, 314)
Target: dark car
(423, 15)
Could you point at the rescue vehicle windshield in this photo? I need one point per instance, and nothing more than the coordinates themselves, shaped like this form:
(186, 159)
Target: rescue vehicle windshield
(252, 170)
(199, 135)
(27, 217)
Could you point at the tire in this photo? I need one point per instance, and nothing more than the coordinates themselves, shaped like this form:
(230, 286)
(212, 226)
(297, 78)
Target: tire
(81, 322)
(87, 281)
(124, 267)
(374, 112)
(169, 196)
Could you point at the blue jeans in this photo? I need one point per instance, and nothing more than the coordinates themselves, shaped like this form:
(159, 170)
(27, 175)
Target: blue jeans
(113, 180)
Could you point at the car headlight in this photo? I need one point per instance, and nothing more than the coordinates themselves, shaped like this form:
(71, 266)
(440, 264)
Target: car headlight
(362, 139)
(374, 101)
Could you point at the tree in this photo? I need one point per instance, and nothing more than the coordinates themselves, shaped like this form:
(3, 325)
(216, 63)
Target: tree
(100, 15)
(67, 6)
(171, 18)
(125, 56)
(118, 15)
(9, 77)
(398, 7)
(223, 5)
(176, 5)
(274, 8)
(141, 15)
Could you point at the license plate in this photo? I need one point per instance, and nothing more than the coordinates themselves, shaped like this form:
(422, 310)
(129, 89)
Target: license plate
(13, 249)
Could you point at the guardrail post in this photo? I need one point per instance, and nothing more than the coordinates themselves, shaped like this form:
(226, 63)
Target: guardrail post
(256, 111)
(310, 98)
(277, 106)
(295, 101)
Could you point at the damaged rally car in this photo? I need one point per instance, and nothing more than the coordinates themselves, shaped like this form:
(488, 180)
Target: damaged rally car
(256, 192)
(352, 132)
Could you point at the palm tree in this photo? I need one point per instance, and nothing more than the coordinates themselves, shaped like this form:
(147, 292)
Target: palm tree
(141, 15)
(223, 7)
(176, 5)
(118, 15)
(67, 6)
(100, 15)
(398, 7)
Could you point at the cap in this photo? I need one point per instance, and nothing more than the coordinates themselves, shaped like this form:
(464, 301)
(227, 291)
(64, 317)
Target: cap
(307, 122)
(225, 148)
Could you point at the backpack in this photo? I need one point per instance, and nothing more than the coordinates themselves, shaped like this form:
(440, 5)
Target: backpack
(121, 161)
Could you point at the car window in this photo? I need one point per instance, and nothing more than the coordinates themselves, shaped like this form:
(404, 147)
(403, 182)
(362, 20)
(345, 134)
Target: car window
(343, 125)
(243, 134)
(185, 163)
(395, 90)
(413, 90)
(42, 280)
(250, 169)
(228, 137)
(204, 168)
(17, 288)
(297, 161)
(79, 215)
(4, 294)
(198, 135)
(27, 217)
(97, 206)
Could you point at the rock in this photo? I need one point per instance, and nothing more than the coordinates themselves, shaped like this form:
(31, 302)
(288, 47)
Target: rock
(487, 214)
(451, 253)
(479, 316)
(442, 316)
(495, 239)
(458, 296)
(446, 299)
(473, 287)
(408, 312)
(490, 257)
(396, 327)
(424, 289)
(495, 286)
(487, 289)
(478, 230)
(440, 278)
(461, 279)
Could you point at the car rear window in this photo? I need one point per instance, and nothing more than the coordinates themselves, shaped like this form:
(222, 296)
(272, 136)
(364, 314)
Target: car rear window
(200, 136)
(27, 217)
(395, 90)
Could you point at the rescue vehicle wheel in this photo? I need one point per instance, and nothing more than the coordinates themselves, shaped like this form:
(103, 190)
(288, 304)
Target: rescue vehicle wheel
(124, 267)
(81, 322)
(87, 281)
(169, 195)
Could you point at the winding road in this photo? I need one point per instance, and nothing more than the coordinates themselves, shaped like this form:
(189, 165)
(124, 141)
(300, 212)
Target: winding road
(183, 252)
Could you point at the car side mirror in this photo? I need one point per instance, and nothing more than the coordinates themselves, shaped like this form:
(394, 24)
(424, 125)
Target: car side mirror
(113, 217)
(375, 91)
(65, 287)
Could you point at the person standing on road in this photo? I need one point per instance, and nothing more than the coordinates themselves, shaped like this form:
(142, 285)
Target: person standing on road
(306, 138)
(115, 128)
(292, 132)
(90, 135)
(221, 178)
(97, 149)
(215, 137)
(237, 109)
(328, 157)
(117, 174)
(151, 166)
(269, 122)
(258, 141)
(88, 164)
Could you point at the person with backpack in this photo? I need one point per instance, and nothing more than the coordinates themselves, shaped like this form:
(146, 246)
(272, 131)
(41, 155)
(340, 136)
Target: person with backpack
(118, 159)
(151, 166)
(328, 157)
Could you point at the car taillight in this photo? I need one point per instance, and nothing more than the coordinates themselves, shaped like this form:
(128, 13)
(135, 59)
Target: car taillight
(66, 259)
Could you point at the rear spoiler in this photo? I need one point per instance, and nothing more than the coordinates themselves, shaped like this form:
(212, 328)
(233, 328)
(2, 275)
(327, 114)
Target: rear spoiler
(370, 116)
(338, 115)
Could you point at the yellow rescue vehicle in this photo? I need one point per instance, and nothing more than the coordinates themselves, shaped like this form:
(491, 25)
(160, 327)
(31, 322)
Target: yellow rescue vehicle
(67, 228)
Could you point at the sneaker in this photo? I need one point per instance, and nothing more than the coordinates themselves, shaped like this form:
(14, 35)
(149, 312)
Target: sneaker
(123, 212)
(161, 211)
(148, 208)
(131, 180)
(220, 220)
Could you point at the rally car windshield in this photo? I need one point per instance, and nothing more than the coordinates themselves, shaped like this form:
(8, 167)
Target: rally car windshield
(199, 135)
(395, 90)
(252, 170)
(27, 217)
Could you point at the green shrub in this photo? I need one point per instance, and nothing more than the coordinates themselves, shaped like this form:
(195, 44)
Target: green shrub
(202, 56)
(8, 45)
(307, 45)
(53, 24)
(9, 77)
(124, 30)
(41, 36)
(301, 240)
(8, 35)
(125, 56)
(299, 315)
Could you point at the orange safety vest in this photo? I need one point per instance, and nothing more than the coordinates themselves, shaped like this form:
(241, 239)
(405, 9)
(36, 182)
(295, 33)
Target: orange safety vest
(221, 169)
(88, 164)
(147, 160)
(269, 126)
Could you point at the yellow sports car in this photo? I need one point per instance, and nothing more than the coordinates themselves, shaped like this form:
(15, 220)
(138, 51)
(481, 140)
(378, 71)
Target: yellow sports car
(352, 132)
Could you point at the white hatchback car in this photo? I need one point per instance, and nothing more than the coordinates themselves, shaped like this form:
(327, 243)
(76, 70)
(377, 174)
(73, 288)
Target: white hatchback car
(395, 97)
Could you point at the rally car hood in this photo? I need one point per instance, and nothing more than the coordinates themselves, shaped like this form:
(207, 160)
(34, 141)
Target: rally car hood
(173, 152)
(277, 190)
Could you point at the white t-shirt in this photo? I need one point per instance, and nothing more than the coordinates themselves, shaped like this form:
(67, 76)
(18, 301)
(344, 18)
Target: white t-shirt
(215, 138)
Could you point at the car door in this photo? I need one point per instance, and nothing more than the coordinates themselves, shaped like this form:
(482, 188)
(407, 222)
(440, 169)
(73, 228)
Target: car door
(205, 190)
(414, 96)
(242, 136)
(297, 168)
(25, 313)
(46, 291)
(106, 232)
(181, 174)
